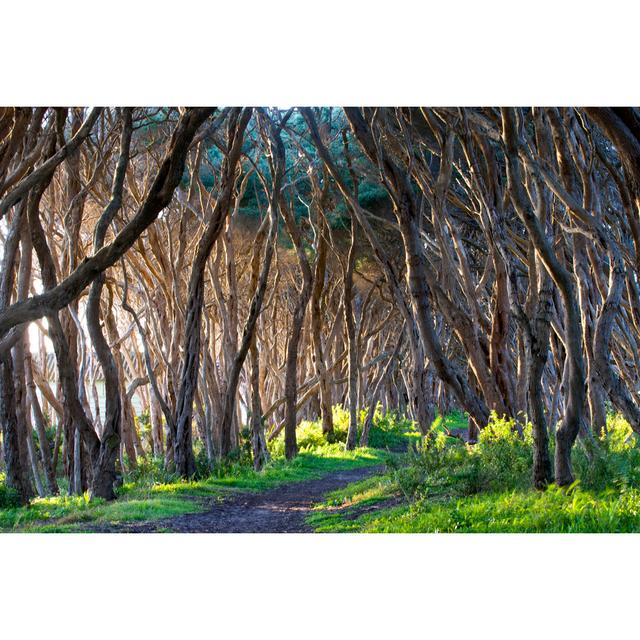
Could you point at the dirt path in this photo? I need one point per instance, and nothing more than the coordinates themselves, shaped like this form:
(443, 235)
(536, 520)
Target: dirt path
(279, 510)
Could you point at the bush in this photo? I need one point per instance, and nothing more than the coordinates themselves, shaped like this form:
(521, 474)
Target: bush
(505, 454)
(391, 430)
(487, 487)
(444, 466)
(615, 463)
(388, 431)
(9, 497)
(237, 462)
(502, 461)
(149, 471)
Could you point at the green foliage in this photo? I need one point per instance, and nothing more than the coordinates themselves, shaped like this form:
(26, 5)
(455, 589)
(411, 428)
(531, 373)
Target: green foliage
(143, 426)
(447, 466)
(149, 471)
(505, 455)
(554, 511)
(449, 486)
(149, 492)
(615, 463)
(389, 431)
(371, 193)
(238, 460)
(454, 421)
(9, 497)
(442, 483)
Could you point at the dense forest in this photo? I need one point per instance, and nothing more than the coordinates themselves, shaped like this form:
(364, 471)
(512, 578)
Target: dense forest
(195, 297)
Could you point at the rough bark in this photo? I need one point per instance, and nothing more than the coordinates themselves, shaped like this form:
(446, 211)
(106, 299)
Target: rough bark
(104, 466)
(183, 448)
(568, 431)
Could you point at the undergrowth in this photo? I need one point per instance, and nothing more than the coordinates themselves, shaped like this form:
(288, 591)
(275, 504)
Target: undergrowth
(390, 430)
(151, 492)
(448, 486)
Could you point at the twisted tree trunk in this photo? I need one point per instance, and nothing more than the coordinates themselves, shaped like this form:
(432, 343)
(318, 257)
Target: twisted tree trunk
(104, 465)
(183, 447)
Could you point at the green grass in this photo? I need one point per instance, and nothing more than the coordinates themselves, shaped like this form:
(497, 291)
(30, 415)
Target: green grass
(74, 513)
(451, 487)
(392, 432)
(150, 493)
(442, 485)
(553, 511)
(389, 430)
(339, 513)
(147, 499)
(454, 421)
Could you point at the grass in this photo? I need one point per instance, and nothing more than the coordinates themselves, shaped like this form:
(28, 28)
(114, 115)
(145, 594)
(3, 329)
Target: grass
(444, 486)
(341, 510)
(390, 431)
(451, 487)
(145, 498)
(150, 493)
(454, 421)
(74, 513)
(523, 511)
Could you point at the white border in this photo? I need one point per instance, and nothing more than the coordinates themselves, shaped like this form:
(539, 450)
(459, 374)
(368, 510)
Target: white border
(318, 586)
(334, 52)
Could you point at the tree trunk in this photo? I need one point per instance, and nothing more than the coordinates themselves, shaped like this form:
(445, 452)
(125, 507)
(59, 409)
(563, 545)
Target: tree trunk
(326, 412)
(183, 447)
(352, 343)
(574, 409)
(14, 429)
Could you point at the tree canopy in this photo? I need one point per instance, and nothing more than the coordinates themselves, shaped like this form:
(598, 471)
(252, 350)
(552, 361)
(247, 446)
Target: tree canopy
(179, 282)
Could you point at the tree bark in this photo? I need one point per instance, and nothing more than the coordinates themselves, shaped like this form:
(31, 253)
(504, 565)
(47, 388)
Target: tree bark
(568, 431)
(183, 448)
(104, 466)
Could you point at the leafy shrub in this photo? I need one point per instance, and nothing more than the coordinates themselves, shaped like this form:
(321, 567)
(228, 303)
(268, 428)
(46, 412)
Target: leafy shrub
(308, 434)
(615, 463)
(505, 454)
(445, 466)
(434, 468)
(143, 426)
(371, 193)
(9, 497)
(388, 431)
(238, 462)
(451, 486)
(391, 430)
(502, 461)
(149, 471)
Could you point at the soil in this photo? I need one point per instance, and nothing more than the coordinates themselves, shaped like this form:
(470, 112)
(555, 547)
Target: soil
(279, 510)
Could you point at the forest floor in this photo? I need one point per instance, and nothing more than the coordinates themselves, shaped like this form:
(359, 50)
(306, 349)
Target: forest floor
(283, 509)
(305, 494)
(451, 487)
(241, 499)
(389, 487)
